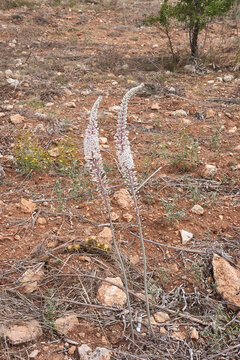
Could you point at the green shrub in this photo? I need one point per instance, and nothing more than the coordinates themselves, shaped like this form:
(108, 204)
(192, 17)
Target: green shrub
(194, 14)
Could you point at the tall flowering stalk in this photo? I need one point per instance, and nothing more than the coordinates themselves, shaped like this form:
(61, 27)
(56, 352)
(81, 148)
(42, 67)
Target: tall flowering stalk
(95, 165)
(127, 169)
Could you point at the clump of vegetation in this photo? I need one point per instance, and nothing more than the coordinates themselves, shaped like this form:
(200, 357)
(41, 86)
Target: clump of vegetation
(172, 212)
(90, 244)
(194, 14)
(185, 158)
(30, 155)
(12, 4)
(65, 153)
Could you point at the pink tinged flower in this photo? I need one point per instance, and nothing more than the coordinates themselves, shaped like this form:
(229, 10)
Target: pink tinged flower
(124, 153)
(91, 146)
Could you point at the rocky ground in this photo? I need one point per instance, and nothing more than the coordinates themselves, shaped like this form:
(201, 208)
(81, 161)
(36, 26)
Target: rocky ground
(58, 267)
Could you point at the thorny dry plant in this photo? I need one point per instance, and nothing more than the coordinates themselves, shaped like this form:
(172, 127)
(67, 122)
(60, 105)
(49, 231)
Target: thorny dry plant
(69, 286)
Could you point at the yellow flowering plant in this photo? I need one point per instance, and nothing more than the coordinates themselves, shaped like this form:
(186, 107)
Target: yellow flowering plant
(29, 154)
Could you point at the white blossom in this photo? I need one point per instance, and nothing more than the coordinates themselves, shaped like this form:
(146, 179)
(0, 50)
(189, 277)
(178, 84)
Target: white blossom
(124, 153)
(91, 147)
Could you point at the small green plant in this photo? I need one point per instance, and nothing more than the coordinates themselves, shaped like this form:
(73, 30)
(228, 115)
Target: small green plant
(172, 212)
(34, 102)
(185, 158)
(159, 150)
(164, 275)
(216, 138)
(222, 329)
(60, 191)
(108, 168)
(153, 291)
(30, 155)
(212, 199)
(197, 270)
(88, 38)
(196, 194)
(51, 306)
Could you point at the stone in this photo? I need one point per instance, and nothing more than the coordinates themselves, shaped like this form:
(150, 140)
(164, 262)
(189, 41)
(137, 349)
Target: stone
(2, 172)
(2, 114)
(194, 334)
(54, 152)
(125, 66)
(127, 217)
(186, 236)
(155, 106)
(12, 82)
(41, 221)
(33, 354)
(134, 259)
(7, 107)
(84, 352)
(190, 68)
(161, 316)
(2, 330)
(111, 295)
(103, 140)
(66, 324)
(237, 147)
(27, 206)
(179, 113)
(186, 121)
(30, 279)
(105, 235)
(123, 199)
(209, 170)
(227, 280)
(179, 334)
(20, 334)
(16, 119)
(8, 73)
(162, 330)
(101, 354)
(115, 108)
(114, 215)
(72, 350)
(153, 321)
(232, 130)
(197, 209)
(228, 78)
(209, 113)
(70, 104)
(67, 91)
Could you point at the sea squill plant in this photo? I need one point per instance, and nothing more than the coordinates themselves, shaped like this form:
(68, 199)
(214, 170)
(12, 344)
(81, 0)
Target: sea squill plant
(128, 172)
(95, 165)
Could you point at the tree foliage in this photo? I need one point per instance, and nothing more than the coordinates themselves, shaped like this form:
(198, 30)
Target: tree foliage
(195, 14)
